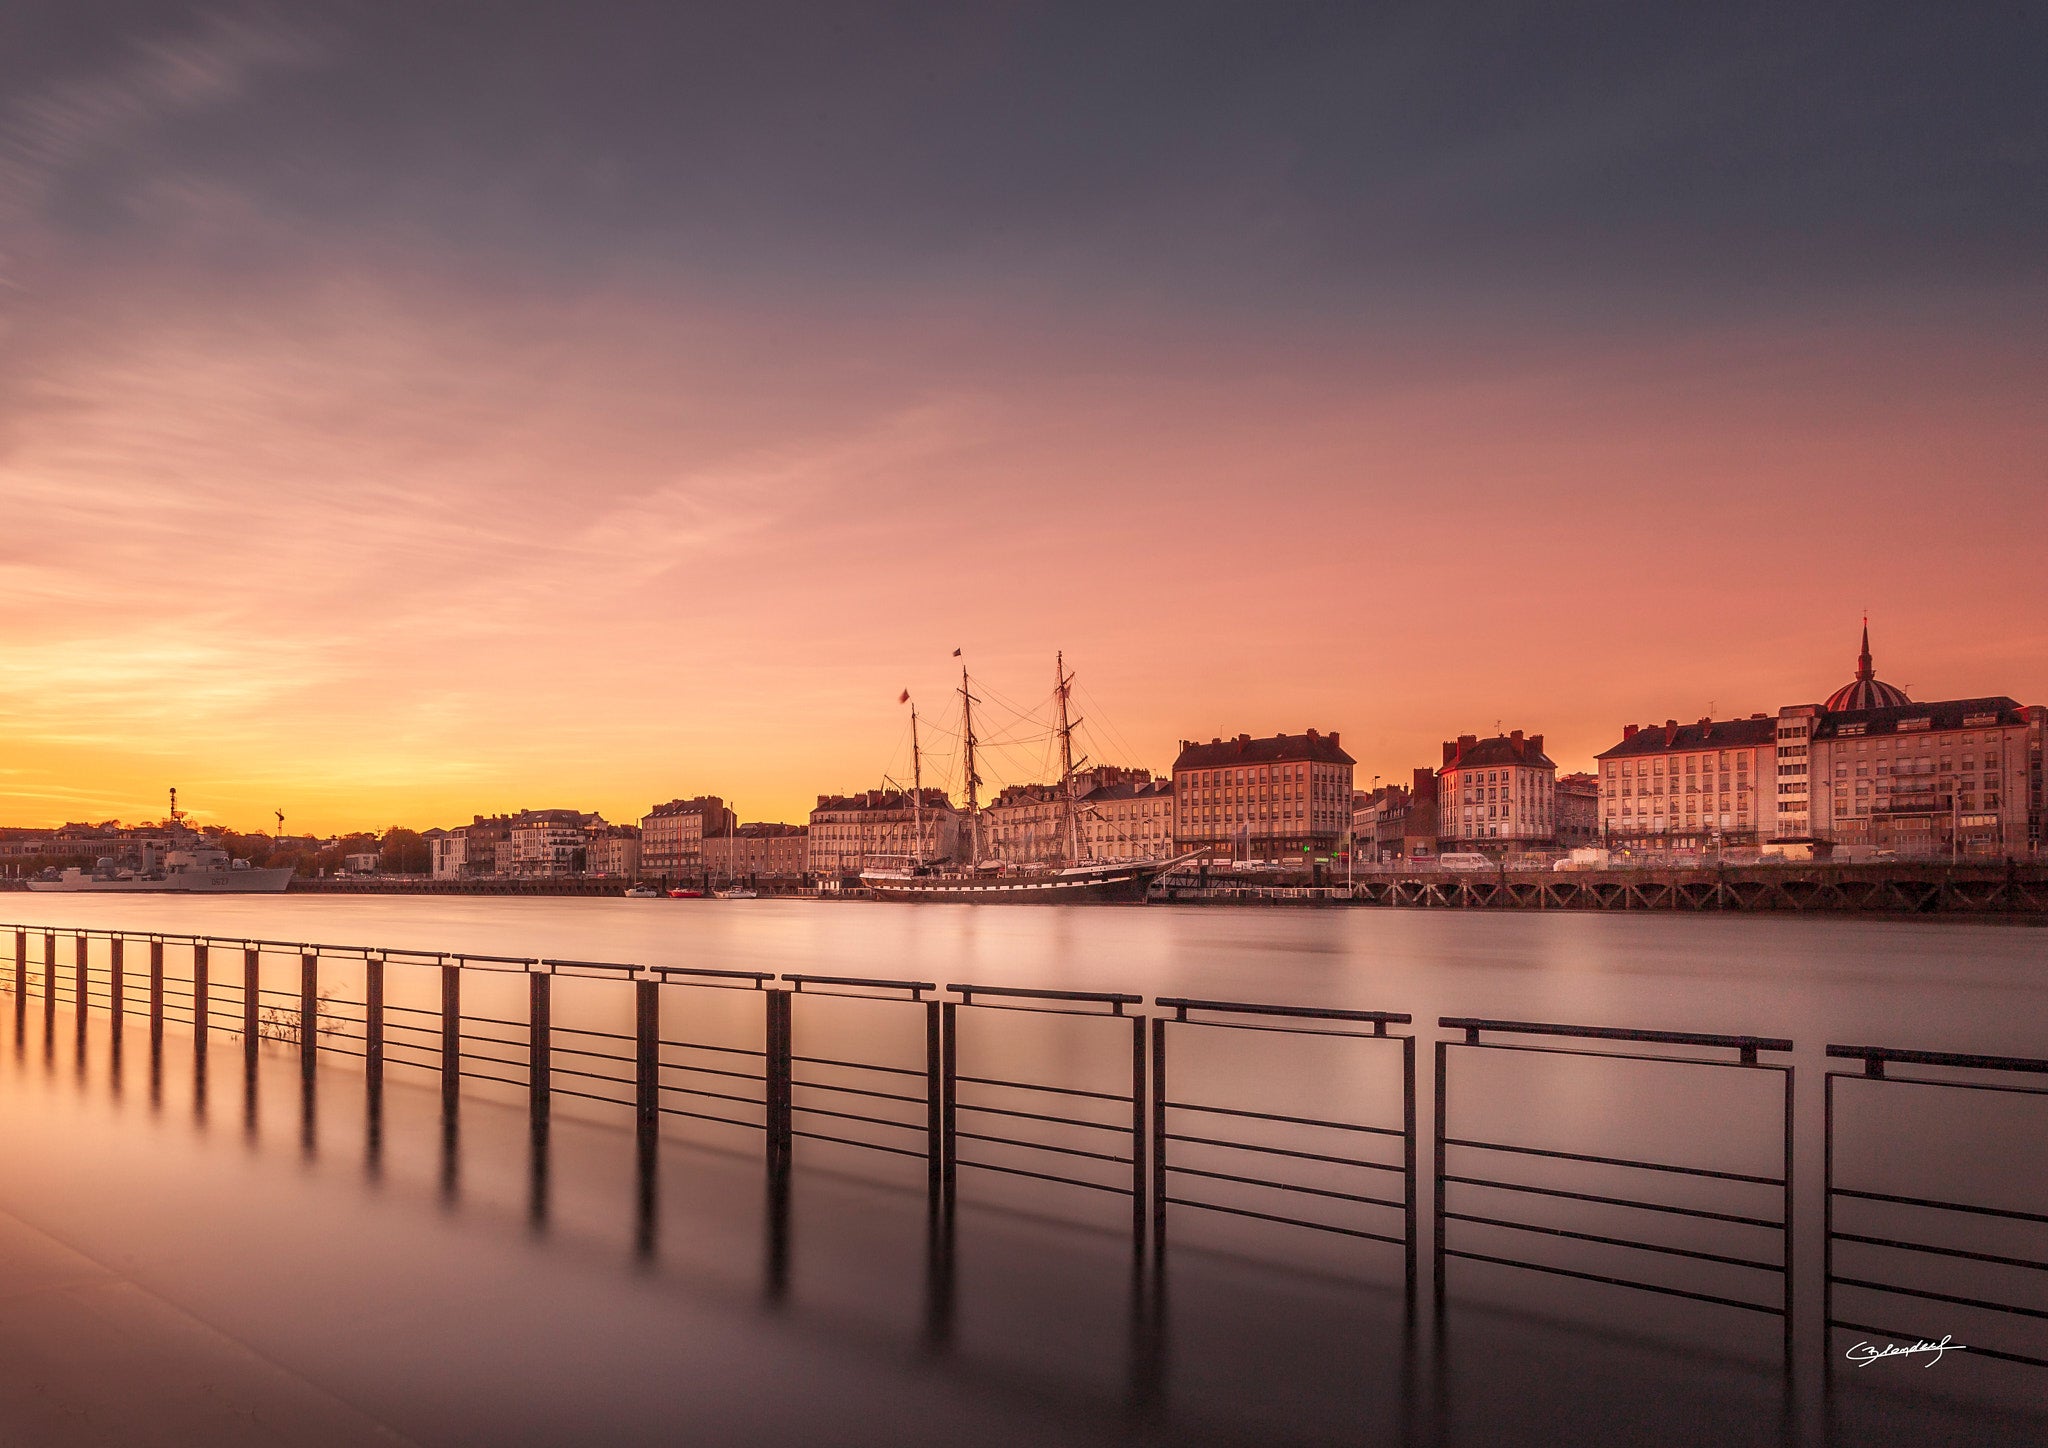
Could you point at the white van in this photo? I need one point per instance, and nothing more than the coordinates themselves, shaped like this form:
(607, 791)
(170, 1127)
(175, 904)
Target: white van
(1456, 861)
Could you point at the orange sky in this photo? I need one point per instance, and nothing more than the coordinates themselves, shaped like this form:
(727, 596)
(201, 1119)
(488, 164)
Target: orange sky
(380, 515)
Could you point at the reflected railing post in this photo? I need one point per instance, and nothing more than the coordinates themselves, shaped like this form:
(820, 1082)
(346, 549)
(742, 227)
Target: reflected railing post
(646, 1111)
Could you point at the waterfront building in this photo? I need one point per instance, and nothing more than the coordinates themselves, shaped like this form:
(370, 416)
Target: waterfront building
(1690, 787)
(1024, 823)
(1953, 777)
(1497, 794)
(1127, 819)
(1578, 810)
(758, 849)
(486, 845)
(551, 842)
(448, 851)
(1286, 795)
(611, 850)
(849, 831)
(672, 835)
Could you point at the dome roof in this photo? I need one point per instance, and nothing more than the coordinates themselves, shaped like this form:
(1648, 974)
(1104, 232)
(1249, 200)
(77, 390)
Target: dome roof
(1866, 690)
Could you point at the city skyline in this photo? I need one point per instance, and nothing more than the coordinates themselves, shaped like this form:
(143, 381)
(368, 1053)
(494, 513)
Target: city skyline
(403, 417)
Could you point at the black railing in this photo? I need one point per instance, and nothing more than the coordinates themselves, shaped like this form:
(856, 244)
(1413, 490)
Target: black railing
(1267, 1148)
(1780, 1225)
(1932, 1216)
(1222, 1141)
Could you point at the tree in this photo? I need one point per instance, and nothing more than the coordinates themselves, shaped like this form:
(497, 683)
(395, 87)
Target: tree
(405, 852)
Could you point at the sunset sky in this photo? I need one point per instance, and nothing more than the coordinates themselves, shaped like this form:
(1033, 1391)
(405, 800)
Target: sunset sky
(414, 411)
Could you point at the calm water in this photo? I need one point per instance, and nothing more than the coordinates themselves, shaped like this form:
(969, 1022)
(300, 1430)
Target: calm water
(465, 1283)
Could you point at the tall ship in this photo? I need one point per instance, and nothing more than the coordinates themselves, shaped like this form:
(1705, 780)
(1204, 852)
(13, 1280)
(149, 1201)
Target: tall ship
(1064, 877)
(180, 860)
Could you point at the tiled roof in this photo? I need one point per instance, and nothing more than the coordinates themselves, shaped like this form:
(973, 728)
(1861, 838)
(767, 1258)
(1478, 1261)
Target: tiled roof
(1502, 750)
(1277, 749)
(1707, 734)
(1942, 714)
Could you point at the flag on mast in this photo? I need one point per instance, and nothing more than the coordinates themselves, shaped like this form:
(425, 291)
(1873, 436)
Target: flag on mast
(906, 697)
(956, 653)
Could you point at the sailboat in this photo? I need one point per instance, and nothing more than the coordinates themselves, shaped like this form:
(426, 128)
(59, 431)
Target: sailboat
(1066, 879)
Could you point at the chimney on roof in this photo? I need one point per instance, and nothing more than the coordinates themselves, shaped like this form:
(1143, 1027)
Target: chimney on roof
(1535, 743)
(1333, 739)
(1215, 741)
(1670, 732)
(1244, 739)
(1628, 732)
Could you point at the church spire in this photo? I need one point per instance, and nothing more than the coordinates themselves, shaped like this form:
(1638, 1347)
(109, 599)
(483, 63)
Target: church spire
(1863, 669)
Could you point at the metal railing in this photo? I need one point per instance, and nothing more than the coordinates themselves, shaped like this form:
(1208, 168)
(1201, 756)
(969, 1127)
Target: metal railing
(1151, 1127)
(1933, 1215)
(1748, 1050)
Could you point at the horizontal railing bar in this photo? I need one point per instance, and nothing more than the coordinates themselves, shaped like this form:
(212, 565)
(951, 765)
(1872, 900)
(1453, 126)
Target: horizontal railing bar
(1049, 1090)
(1042, 1146)
(859, 1091)
(1045, 1177)
(1183, 1005)
(1929, 1247)
(1932, 1296)
(590, 1075)
(1620, 1202)
(1472, 1025)
(2007, 1213)
(856, 1116)
(487, 1076)
(2002, 1088)
(1767, 1309)
(858, 1065)
(1957, 1060)
(697, 972)
(1282, 1151)
(1041, 1116)
(713, 1095)
(468, 1016)
(915, 987)
(586, 1031)
(1587, 1053)
(1629, 1243)
(703, 1116)
(589, 964)
(1226, 1176)
(1973, 1349)
(709, 1071)
(706, 1046)
(1698, 1171)
(593, 1096)
(554, 1049)
(863, 1145)
(1291, 1120)
(1288, 1221)
(1116, 999)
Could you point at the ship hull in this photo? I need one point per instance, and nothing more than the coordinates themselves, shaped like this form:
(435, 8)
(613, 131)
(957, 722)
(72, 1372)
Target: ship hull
(189, 882)
(1119, 884)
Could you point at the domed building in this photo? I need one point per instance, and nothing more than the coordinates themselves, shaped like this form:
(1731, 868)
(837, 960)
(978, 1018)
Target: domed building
(1866, 690)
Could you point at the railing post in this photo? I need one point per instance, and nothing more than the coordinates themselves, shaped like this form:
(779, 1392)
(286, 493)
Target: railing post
(200, 1009)
(539, 1048)
(373, 1019)
(115, 985)
(20, 973)
(309, 1011)
(78, 976)
(934, 1107)
(1408, 1163)
(156, 992)
(1442, 1116)
(777, 1083)
(451, 1036)
(647, 1055)
(1140, 1126)
(1159, 1136)
(1827, 1236)
(49, 980)
(252, 996)
(1788, 1209)
(949, 1104)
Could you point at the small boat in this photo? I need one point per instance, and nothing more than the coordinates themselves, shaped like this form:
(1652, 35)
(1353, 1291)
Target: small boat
(643, 892)
(685, 892)
(738, 893)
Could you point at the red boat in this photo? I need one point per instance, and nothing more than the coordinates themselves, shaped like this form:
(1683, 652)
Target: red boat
(684, 892)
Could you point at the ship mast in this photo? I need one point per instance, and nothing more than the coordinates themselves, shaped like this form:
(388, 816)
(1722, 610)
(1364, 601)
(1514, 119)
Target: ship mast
(973, 780)
(916, 789)
(1063, 684)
